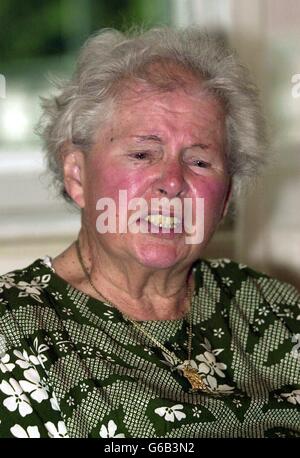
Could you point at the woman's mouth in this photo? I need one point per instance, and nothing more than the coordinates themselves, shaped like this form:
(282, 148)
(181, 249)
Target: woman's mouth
(161, 225)
(163, 221)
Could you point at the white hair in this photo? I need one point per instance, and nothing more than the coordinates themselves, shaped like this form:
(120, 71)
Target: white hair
(84, 102)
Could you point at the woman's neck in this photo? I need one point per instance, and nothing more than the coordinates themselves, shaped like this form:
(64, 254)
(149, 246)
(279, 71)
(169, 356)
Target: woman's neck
(136, 292)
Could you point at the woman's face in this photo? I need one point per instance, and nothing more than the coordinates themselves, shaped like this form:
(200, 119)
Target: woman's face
(158, 145)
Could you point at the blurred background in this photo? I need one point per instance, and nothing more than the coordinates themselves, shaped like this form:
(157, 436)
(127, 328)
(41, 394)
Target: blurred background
(39, 40)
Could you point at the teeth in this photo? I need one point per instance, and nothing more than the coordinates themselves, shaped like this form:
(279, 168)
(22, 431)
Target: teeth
(163, 221)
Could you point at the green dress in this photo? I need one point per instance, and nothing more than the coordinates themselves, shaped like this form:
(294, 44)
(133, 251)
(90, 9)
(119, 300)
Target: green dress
(73, 366)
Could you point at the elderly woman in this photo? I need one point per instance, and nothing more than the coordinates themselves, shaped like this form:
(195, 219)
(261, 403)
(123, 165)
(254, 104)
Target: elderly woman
(129, 332)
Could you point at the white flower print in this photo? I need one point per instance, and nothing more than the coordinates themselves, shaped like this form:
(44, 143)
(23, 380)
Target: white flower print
(213, 385)
(26, 361)
(237, 402)
(48, 340)
(87, 351)
(259, 321)
(21, 433)
(275, 308)
(227, 281)
(187, 362)
(242, 266)
(170, 413)
(63, 348)
(7, 281)
(70, 401)
(40, 349)
(293, 397)
(224, 313)
(225, 389)
(67, 311)
(287, 313)
(208, 347)
(57, 295)
(219, 262)
(147, 350)
(84, 387)
(5, 365)
(34, 288)
(169, 361)
(110, 430)
(278, 397)
(57, 335)
(30, 289)
(54, 402)
(109, 314)
(196, 412)
(37, 388)
(263, 311)
(17, 399)
(218, 333)
(59, 431)
(209, 365)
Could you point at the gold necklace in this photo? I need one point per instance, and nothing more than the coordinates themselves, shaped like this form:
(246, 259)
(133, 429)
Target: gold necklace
(189, 372)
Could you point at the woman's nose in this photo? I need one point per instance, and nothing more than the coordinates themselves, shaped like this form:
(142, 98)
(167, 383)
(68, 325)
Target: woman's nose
(171, 182)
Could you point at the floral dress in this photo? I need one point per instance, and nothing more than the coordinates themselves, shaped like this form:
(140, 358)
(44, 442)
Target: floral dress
(74, 366)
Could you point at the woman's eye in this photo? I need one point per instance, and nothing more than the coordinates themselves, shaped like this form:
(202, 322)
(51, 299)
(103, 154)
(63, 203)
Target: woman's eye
(202, 164)
(140, 155)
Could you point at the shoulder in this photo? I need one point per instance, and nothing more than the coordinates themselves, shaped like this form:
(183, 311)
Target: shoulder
(24, 283)
(23, 300)
(238, 272)
(255, 289)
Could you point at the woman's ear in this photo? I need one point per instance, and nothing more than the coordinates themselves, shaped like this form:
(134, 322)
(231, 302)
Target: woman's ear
(74, 176)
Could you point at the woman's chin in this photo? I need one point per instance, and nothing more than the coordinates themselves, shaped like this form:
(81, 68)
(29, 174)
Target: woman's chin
(157, 256)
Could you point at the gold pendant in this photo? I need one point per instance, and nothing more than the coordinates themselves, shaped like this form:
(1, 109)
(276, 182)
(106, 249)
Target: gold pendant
(194, 378)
